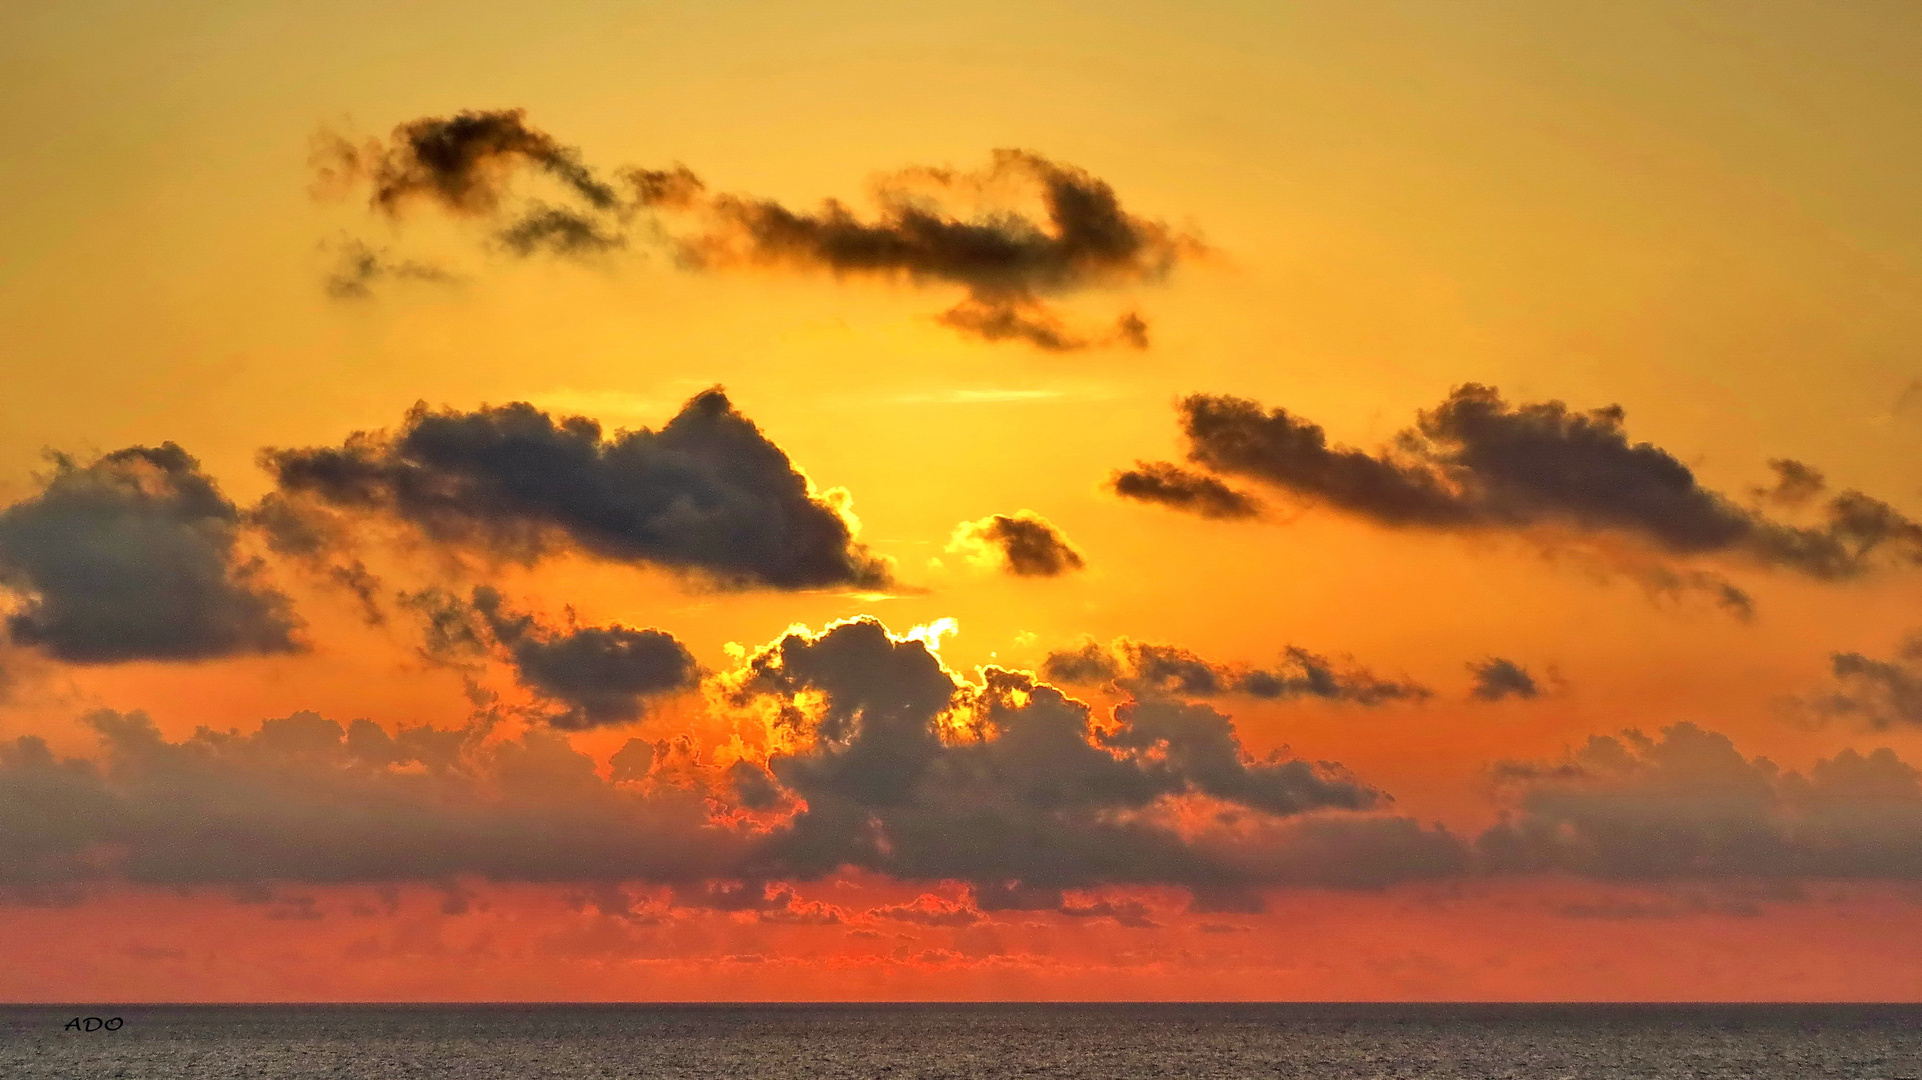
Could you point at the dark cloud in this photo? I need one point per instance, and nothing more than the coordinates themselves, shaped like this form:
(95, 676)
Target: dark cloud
(601, 675)
(708, 493)
(1006, 260)
(1037, 228)
(1496, 679)
(1141, 667)
(1688, 806)
(559, 231)
(309, 536)
(585, 676)
(133, 557)
(1024, 544)
(1173, 486)
(1476, 462)
(306, 800)
(909, 771)
(452, 632)
(359, 267)
(1880, 694)
(892, 764)
(1022, 318)
(1795, 483)
(461, 163)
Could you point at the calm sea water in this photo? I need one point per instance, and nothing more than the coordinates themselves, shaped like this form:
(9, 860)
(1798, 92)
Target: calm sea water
(964, 1042)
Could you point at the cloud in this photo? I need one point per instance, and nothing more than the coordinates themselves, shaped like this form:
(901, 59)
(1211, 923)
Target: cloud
(1011, 235)
(305, 799)
(133, 557)
(905, 769)
(885, 761)
(1006, 260)
(1795, 483)
(1177, 488)
(1688, 806)
(1024, 544)
(1496, 679)
(1477, 463)
(1880, 694)
(1141, 667)
(584, 676)
(602, 675)
(707, 494)
(929, 910)
(460, 163)
(359, 267)
(561, 232)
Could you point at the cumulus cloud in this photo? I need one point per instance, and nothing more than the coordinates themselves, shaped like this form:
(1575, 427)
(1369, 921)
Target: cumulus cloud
(1477, 462)
(707, 494)
(583, 676)
(883, 760)
(134, 557)
(1011, 235)
(1141, 667)
(1024, 544)
(601, 675)
(1181, 489)
(306, 799)
(1496, 679)
(908, 770)
(1689, 806)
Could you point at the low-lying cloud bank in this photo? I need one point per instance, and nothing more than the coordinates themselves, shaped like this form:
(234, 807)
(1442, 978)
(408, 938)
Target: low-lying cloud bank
(875, 757)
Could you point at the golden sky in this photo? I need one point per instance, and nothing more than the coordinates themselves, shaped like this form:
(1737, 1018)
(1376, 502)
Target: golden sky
(1421, 492)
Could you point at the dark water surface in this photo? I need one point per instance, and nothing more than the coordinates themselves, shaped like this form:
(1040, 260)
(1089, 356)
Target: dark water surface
(780, 1042)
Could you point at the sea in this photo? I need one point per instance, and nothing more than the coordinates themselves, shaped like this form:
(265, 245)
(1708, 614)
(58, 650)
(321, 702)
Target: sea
(959, 1042)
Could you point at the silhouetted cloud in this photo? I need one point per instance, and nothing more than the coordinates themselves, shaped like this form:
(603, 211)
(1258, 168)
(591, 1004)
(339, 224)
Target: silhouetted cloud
(358, 267)
(1880, 694)
(708, 493)
(1175, 487)
(1006, 257)
(460, 163)
(1141, 667)
(1024, 544)
(907, 770)
(1496, 678)
(585, 676)
(1688, 806)
(133, 557)
(312, 537)
(1795, 483)
(890, 763)
(1023, 318)
(559, 231)
(601, 674)
(1007, 260)
(1475, 462)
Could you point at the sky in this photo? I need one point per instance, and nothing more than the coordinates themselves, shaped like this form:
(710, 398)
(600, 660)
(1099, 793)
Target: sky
(749, 501)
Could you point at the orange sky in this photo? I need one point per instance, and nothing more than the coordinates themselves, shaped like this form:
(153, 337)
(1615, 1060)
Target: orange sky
(1347, 212)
